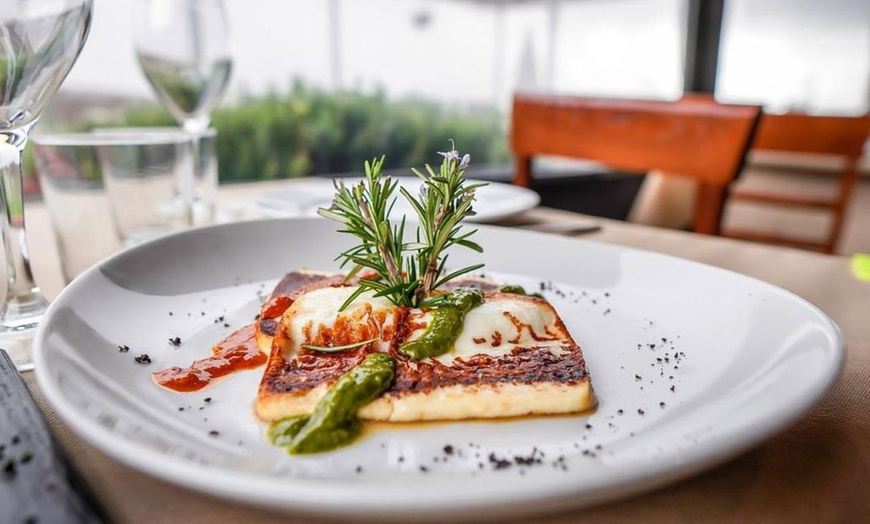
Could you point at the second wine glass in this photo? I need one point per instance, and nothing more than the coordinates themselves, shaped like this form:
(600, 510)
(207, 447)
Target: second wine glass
(183, 50)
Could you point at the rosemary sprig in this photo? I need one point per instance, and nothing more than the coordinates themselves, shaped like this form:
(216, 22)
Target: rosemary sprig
(407, 273)
(364, 210)
(444, 201)
(338, 349)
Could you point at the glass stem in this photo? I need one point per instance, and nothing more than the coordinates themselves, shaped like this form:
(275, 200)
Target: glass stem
(24, 302)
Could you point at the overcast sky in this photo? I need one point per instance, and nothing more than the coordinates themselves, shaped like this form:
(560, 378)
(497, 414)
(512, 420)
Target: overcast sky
(789, 53)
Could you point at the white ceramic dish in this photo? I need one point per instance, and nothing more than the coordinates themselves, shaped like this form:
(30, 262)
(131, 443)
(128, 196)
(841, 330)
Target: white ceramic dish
(691, 365)
(495, 201)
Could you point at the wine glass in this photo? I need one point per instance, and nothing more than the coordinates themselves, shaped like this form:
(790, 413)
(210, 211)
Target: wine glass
(39, 43)
(183, 50)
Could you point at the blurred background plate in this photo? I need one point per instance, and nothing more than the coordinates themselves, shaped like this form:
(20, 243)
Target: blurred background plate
(495, 201)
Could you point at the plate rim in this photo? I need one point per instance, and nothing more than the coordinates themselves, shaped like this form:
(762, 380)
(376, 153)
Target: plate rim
(304, 498)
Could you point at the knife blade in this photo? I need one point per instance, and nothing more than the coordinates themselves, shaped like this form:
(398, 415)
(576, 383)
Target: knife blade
(37, 482)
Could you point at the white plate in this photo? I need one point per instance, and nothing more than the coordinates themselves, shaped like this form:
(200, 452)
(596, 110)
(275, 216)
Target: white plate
(744, 358)
(303, 196)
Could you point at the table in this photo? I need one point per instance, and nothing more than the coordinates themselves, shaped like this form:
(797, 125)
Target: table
(817, 470)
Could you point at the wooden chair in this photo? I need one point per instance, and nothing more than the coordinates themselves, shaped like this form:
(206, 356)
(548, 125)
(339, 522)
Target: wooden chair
(839, 136)
(699, 139)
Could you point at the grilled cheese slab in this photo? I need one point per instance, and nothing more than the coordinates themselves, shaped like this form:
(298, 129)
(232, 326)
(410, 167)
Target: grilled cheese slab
(513, 355)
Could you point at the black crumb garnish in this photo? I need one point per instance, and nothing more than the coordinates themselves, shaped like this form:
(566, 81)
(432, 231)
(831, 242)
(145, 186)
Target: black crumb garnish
(359, 469)
(26, 457)
(528, 460)
(498, 463)
(401, 458)
(619, 412)
(638, 377)
(143, 359)
(214, 433)
(448, 449)
(180, 409)
(673, 389)
(175, 341)
(424, 469)
(640, 411)
(588, 426)
(123, 348)
(16, 440)
(207, 400)
(661, 404)
(9, 469)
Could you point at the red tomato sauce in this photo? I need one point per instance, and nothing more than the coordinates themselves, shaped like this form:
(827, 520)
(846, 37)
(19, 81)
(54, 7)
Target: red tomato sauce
(237, 352)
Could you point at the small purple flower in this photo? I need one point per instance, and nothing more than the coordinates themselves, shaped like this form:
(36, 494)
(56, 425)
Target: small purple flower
(450, 155)
(453, 155)
(466, 159)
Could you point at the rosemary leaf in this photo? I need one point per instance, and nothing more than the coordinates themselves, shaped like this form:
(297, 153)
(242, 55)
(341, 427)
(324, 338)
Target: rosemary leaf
(337, 349)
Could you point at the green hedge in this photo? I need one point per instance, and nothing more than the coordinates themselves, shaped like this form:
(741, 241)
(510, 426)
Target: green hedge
(308, 131)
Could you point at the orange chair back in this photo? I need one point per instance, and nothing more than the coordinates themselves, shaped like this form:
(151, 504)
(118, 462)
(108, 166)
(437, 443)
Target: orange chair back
(840, 136)
(696, 138)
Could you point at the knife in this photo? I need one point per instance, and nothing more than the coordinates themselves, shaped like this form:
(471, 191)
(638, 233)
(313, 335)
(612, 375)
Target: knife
(37, 482)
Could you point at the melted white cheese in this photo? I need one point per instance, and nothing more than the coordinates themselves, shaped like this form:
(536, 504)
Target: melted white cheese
(494, 328)
(489, 330)
(320, 309)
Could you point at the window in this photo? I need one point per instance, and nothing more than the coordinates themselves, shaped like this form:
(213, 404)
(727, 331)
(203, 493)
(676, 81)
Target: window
(797, 55)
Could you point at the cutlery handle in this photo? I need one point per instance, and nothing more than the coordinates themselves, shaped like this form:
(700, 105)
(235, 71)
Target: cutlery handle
(37, 482)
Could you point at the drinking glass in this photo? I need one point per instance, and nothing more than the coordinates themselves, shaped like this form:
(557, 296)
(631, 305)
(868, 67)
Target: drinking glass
(105, 190)
(39, 43)
(183, 51)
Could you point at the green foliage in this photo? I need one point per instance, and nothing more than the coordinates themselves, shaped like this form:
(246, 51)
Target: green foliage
(308, 131)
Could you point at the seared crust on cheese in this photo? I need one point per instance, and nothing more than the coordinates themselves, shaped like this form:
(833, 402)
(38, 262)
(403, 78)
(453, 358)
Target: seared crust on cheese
(516, 358)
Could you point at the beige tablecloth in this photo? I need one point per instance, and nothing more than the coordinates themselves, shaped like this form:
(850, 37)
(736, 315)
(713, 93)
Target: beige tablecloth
(817, 470)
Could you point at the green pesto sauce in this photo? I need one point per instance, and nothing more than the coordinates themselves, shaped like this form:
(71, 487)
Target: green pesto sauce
(334, 422)
(517, 290)
(443, 330)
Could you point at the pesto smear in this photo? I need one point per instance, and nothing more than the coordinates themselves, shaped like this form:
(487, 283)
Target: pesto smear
(445, 325)
(334, 422)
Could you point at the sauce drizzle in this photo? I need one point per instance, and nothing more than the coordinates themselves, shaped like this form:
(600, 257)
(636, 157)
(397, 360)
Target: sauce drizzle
(237, 352)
